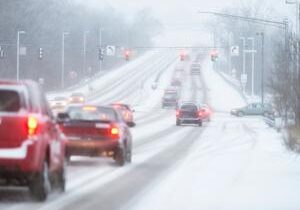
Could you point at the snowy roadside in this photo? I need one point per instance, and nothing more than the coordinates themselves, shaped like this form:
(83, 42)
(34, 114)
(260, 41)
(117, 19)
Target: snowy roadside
(237, 163)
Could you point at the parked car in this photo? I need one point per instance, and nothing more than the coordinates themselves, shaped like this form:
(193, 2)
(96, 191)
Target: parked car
(126, 112)
(189, 113)
(32, 148)
(253, 109)
(77, 98)
(96, 131)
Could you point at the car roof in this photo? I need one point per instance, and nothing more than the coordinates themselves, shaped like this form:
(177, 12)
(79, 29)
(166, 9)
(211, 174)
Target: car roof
(77, 94)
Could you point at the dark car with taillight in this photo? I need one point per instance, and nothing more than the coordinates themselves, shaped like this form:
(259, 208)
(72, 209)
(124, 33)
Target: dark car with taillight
(189, 113)
(96, 131)
(32, 148)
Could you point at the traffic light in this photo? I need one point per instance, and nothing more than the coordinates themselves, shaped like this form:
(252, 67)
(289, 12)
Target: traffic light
(127, 55)
(40, 53)
(214, 55)
(182, 55)
(101, 54)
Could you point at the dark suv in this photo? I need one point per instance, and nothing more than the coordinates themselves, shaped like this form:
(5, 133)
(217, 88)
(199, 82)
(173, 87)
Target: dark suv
(31, 144)
(170, 98)
(188, 113)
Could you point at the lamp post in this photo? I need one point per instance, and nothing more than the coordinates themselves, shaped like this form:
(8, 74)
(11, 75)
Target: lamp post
(244, 55)
(18, 53)
(100, 46)
(84, 50)
(262, 64)
(252, 69)
(63, 60)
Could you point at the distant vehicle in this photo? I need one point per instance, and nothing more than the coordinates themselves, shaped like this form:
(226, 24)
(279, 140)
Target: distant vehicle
(253, 109)
(58, 104)
(195, 69)
(188, 113)
(170, 99)
(32, 147)
(77, 98)
(126, 112)
(96, 131)
(176, 82)
(206, 112)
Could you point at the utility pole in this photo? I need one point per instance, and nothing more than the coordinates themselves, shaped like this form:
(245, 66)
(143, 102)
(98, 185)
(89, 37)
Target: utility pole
(84, 51)
(64, 34)
(262, 65)
(252, 69)
(18, 53)
(100, 46)
(244, 54)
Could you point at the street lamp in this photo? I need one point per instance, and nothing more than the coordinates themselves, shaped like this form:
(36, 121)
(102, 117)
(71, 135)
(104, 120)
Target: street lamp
(262, 63)
(64, 34)
(18, 53)
(252, 70)
(84, 50)
(244, 55)
(100, 46)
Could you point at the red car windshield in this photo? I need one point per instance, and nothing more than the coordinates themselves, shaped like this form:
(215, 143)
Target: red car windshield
(91, 113)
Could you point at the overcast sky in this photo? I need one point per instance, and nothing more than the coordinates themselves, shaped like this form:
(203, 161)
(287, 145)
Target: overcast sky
(180, 16)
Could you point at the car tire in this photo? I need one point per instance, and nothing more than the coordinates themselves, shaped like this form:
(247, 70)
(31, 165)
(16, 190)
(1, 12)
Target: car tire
(129, 156)
(61, 178)
(178, 123)
(40, 185)
(120, 157)
(200, 123)
(240, 114)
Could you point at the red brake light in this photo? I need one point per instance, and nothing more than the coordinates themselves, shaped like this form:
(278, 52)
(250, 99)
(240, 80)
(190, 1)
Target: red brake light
(177, 112)
(114, 132)
(201, 113)
(32, 125)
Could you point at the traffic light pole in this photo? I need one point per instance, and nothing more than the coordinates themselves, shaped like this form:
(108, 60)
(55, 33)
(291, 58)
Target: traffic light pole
(100, 45)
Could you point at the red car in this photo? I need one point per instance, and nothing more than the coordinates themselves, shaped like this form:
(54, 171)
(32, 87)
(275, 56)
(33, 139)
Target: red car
(96, 131)
(205, 112)
(32, 148)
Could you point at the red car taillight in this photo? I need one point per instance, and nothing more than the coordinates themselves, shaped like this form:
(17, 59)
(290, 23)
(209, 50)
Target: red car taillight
(115, 132)
(32, 125)
(177, 113)
(201, 113)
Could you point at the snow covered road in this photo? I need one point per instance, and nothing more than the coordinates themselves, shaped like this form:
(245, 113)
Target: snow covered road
(229, 163)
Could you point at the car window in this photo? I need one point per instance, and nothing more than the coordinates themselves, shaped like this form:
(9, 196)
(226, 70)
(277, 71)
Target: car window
(10, 101)
(189, 107)
(92, 113)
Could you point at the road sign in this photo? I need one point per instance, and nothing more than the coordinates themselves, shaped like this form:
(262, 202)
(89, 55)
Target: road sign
(235, 50)
(110, 50)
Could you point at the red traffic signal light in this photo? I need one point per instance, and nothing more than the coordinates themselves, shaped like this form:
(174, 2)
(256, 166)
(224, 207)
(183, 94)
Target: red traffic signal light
(182, 55)
(127, 55)
(214, 55)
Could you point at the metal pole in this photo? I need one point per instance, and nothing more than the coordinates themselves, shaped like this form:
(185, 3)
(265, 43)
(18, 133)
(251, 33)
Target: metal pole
(262, 67)
(63, 60)
(244, 54)
(100, 45)
(18, 56)
(18, 53)
(252, 66)
(84, 50)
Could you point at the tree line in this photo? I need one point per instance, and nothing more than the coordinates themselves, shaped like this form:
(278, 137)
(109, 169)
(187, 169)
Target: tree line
(45, 22)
